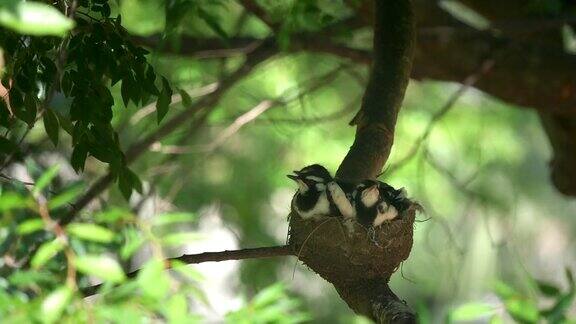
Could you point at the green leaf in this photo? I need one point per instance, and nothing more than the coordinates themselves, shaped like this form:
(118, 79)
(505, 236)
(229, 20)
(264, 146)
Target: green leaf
(471, 312)
(65, 197)
(51, 125)
(30, 226)
(176, 309)
(177, 239)
(212, 22)
(171, 218)
(504, 291)
(34, 18)
(11, 200)
(560, 308)
(125, 185)
(153, 279)
(522, 310)
(162, 104)
(90, 232)
(45, 179)
(570, 277)
(134, 241)
(7, 146)
(32, 278)
(113, 215)
(186, 99)
(100, 266)
(55, 303)
(46, 251)
(186, 270)
(465, 14)
(269, 295)
(547, 289)
(79, 155)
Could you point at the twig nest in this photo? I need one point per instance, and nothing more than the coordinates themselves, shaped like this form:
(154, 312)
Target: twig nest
(346, 254)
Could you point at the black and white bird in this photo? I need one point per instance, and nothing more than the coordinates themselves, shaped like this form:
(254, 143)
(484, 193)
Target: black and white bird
(319, 194)
(377, 202)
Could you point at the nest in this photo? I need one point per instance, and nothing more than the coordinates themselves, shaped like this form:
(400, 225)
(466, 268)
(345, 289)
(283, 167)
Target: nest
(348, 258)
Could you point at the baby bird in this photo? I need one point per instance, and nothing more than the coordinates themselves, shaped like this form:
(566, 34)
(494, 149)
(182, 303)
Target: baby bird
(319, 194)
(376, 203)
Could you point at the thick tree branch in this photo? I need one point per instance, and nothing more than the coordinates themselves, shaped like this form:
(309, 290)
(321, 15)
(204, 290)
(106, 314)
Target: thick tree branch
(394, 34)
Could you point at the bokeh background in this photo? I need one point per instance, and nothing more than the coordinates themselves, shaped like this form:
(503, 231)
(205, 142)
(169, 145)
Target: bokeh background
(478, 166)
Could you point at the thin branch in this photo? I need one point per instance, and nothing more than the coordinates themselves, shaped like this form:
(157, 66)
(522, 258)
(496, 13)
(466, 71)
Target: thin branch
(204, 106)
(238, 123)
(485, 67)
(228, 255)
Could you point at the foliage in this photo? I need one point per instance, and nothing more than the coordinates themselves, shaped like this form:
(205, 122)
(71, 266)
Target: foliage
(522, 308)
(271, 305)
(70, 260)
(78, 69)
(482, 169)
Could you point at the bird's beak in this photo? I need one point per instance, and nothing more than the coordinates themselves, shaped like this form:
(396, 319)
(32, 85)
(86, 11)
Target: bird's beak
(293, 177)
(297, 172)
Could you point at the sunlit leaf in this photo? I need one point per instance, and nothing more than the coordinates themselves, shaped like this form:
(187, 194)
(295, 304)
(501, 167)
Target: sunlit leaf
(46, 251)
(101, 266)
(11, 200)
(269, 295)
(66, 197)
(153, 279)
(522, 310)
(55, 303)
(45, 179)
(134, 241)
(30, 226)
(176, 309)
(181, 238)
(34, 18)
(29, 278)
(505, 291)
(187, 271)
(171, 218)
(465, 14)
(471, 312)
(90, 232)
(112, 215)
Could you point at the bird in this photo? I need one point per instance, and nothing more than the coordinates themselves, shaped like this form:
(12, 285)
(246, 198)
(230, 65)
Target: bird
(377, 202)
(319, 194)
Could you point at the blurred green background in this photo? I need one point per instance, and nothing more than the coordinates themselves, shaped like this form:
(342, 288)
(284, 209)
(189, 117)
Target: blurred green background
(481, 174)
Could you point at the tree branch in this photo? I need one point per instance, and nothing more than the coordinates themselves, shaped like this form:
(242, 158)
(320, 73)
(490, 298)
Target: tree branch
(204, 105)
(394, 34)
(228, 255)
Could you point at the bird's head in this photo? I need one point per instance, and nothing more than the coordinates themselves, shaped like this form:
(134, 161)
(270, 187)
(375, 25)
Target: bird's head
(369, 193)
(313, 176)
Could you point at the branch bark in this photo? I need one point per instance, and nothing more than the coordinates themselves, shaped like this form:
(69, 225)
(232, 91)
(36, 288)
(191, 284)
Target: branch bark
(228, 255)
(394, 34)
(394, 37)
